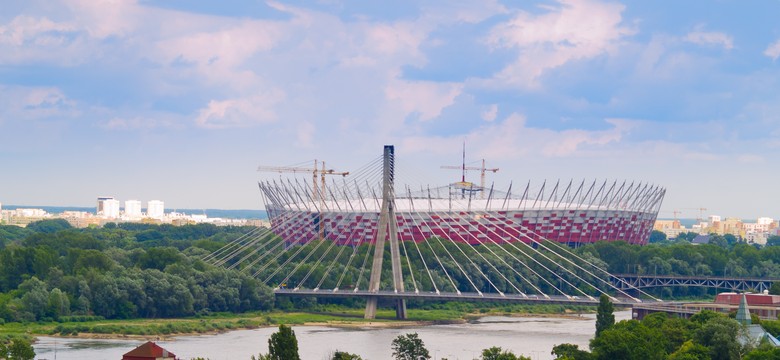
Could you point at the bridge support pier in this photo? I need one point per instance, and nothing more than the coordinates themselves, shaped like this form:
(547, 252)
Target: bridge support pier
(371, 305)
(387, 231)
(371, 308)
(400, 309)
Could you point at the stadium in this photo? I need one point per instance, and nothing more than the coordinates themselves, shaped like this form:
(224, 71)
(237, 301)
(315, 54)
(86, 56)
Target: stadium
(347, 211)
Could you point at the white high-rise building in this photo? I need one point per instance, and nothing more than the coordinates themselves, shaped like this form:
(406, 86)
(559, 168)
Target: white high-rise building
(714, 218)
(107, 207)
(155, 209)
(133, 208)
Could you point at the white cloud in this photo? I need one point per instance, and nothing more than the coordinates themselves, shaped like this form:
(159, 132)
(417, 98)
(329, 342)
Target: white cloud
(773, 50)
(513, 138)
(573, 30)
(710, 38)
(468, 11)
(425, 98)
(178, 54)
(240, 112)
(393, 38)
(220, 56)
(153, 121)
(104, 18)
(490, 113)
(19, 103)
(25, 29)
(28, 39)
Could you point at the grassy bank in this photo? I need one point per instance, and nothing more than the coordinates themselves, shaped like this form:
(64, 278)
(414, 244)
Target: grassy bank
(326, 315)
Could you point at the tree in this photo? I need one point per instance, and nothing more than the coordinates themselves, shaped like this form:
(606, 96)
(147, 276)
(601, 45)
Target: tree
(690, 351)
(629, 340)
(496, 353)
(775, 288)
(721, 336)
(764, 353)
(59, 304)
(686, 236)
(160, 257)
(570, 352)
(675, 330)
(409, 347)
(20, 349)
(36, 297)
(283, 345)
(702, 317)
(49, 226)
(343, 355)
(657, 236)
(773, 240)
(604, 315)
(92, 259)
(3, 350)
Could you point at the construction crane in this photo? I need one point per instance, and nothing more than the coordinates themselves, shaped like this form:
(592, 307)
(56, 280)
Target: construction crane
(464, 168)
(317, 193)
(701, 213)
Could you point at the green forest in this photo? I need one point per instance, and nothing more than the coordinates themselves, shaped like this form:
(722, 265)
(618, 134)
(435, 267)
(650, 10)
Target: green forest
(50, 271)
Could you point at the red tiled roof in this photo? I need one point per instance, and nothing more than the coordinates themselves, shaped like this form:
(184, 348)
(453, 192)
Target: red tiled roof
(150, 350)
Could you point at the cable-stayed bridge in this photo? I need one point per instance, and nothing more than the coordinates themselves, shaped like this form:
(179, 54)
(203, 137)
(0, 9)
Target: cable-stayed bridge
(455, 242)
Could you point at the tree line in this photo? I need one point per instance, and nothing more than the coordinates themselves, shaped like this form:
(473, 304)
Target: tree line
(51, 271)
(725, 255)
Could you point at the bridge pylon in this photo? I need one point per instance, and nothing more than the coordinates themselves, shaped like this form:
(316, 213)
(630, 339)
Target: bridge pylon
(387, 231)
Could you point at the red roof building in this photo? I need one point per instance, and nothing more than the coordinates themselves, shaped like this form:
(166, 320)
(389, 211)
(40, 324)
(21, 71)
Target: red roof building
(149, 351)
(752, 299)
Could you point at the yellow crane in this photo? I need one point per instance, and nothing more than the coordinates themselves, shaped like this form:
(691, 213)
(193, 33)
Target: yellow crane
(701, 213)
(464, 168)
(317, 192)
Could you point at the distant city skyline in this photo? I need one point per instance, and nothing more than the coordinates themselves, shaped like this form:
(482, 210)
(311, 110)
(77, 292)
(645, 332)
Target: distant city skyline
(182, 100)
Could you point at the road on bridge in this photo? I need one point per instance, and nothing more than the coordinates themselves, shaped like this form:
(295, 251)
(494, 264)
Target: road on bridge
(463, 296)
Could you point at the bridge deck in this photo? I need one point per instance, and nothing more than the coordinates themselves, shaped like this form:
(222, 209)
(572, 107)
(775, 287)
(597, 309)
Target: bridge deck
(464, 296)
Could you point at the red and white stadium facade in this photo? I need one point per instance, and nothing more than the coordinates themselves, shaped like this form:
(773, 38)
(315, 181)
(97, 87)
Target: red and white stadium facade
(577, 215)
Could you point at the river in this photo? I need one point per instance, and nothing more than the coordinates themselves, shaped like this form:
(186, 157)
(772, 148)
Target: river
(530, 336)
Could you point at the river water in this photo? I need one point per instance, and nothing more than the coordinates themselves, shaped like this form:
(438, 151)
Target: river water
(530, 336)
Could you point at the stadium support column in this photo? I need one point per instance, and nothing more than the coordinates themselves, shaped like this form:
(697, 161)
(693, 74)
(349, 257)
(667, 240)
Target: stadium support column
(388, 230)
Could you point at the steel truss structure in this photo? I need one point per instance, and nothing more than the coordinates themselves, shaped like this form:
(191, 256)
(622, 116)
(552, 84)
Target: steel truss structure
(626, 282)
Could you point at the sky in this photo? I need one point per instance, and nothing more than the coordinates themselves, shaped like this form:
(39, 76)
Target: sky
(181, 100)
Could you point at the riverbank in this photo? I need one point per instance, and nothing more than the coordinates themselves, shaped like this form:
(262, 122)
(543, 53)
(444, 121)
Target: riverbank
(528, 335)
(161, 329)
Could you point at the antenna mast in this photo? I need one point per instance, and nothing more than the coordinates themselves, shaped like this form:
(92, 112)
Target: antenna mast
(463, 168)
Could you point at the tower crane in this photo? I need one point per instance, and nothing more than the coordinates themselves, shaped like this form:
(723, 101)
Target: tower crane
(701, 213)
(464, 168)
(319, 193)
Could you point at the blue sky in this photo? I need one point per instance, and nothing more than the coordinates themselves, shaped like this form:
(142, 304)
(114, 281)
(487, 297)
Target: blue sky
(181, 100)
